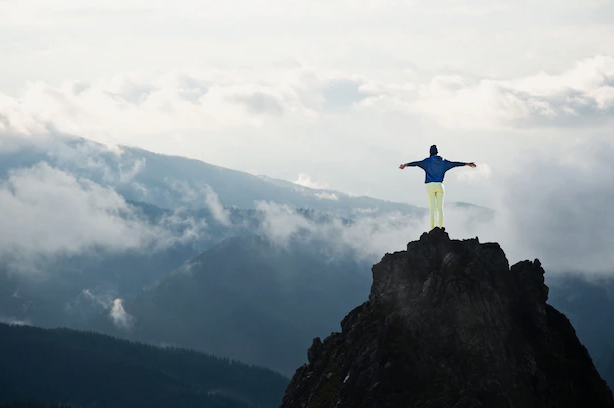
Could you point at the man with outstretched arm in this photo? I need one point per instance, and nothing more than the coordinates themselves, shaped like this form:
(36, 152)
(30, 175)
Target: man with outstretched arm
(435, 168)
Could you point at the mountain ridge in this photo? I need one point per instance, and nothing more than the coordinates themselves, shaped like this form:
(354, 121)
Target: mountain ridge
(166, 180)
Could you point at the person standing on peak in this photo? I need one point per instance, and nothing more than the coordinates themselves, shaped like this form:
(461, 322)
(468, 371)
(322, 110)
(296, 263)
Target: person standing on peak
(435, 167)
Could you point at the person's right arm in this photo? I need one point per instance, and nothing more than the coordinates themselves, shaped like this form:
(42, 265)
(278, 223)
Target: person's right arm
(419, 163)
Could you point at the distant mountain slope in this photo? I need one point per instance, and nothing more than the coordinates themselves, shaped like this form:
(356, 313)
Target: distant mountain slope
(172, 181)
(91, 369)
(73, 289)
(50, 299)
(240, 189)
(589, 305)
(252, 300)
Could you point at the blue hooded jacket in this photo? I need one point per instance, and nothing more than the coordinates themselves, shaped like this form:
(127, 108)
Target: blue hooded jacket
(435, 167)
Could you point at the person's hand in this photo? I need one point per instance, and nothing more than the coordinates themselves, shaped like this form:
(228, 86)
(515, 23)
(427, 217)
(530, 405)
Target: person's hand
(402, 166)
(471, 165)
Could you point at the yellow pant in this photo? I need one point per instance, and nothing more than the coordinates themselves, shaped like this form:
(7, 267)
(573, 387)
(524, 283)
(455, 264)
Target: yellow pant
(435, 192)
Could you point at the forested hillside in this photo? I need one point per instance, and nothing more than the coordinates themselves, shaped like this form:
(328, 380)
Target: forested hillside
(79, 368)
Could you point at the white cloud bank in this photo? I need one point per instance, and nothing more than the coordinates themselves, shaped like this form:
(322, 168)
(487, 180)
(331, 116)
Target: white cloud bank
(139, 103)
(46, 212)
(555, 206)
(582, 96)
(558, 205)
(126, 106)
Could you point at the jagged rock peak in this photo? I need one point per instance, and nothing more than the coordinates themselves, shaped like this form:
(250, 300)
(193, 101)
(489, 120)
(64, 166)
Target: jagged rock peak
(449, 324)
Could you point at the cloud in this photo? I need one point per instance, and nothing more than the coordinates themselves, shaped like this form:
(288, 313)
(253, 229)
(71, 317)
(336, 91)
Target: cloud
(101, 300)
(481, 172)
(365, 210)
(121, 319)
(108, 163)
(106, 301)
(258, 102)
(195, 196)
(14, 321)
(281, 222)
(218, 211)
(15, 120)
(52, 213)
(579, 96)
(558, 207)
(365, 237)
(305, 180)
(327, 196)
(343, 92)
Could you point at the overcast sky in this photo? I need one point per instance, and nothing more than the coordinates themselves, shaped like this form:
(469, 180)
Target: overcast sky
(333, 93)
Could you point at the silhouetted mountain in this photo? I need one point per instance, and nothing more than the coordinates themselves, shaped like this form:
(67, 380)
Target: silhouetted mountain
(449, 324)
(89, 369)
(250, 299)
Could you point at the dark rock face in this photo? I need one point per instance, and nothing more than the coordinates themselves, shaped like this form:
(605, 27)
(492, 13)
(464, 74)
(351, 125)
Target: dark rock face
(449, 324)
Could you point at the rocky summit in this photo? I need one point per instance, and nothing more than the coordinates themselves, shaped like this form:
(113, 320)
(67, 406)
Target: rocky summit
(448, 323)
